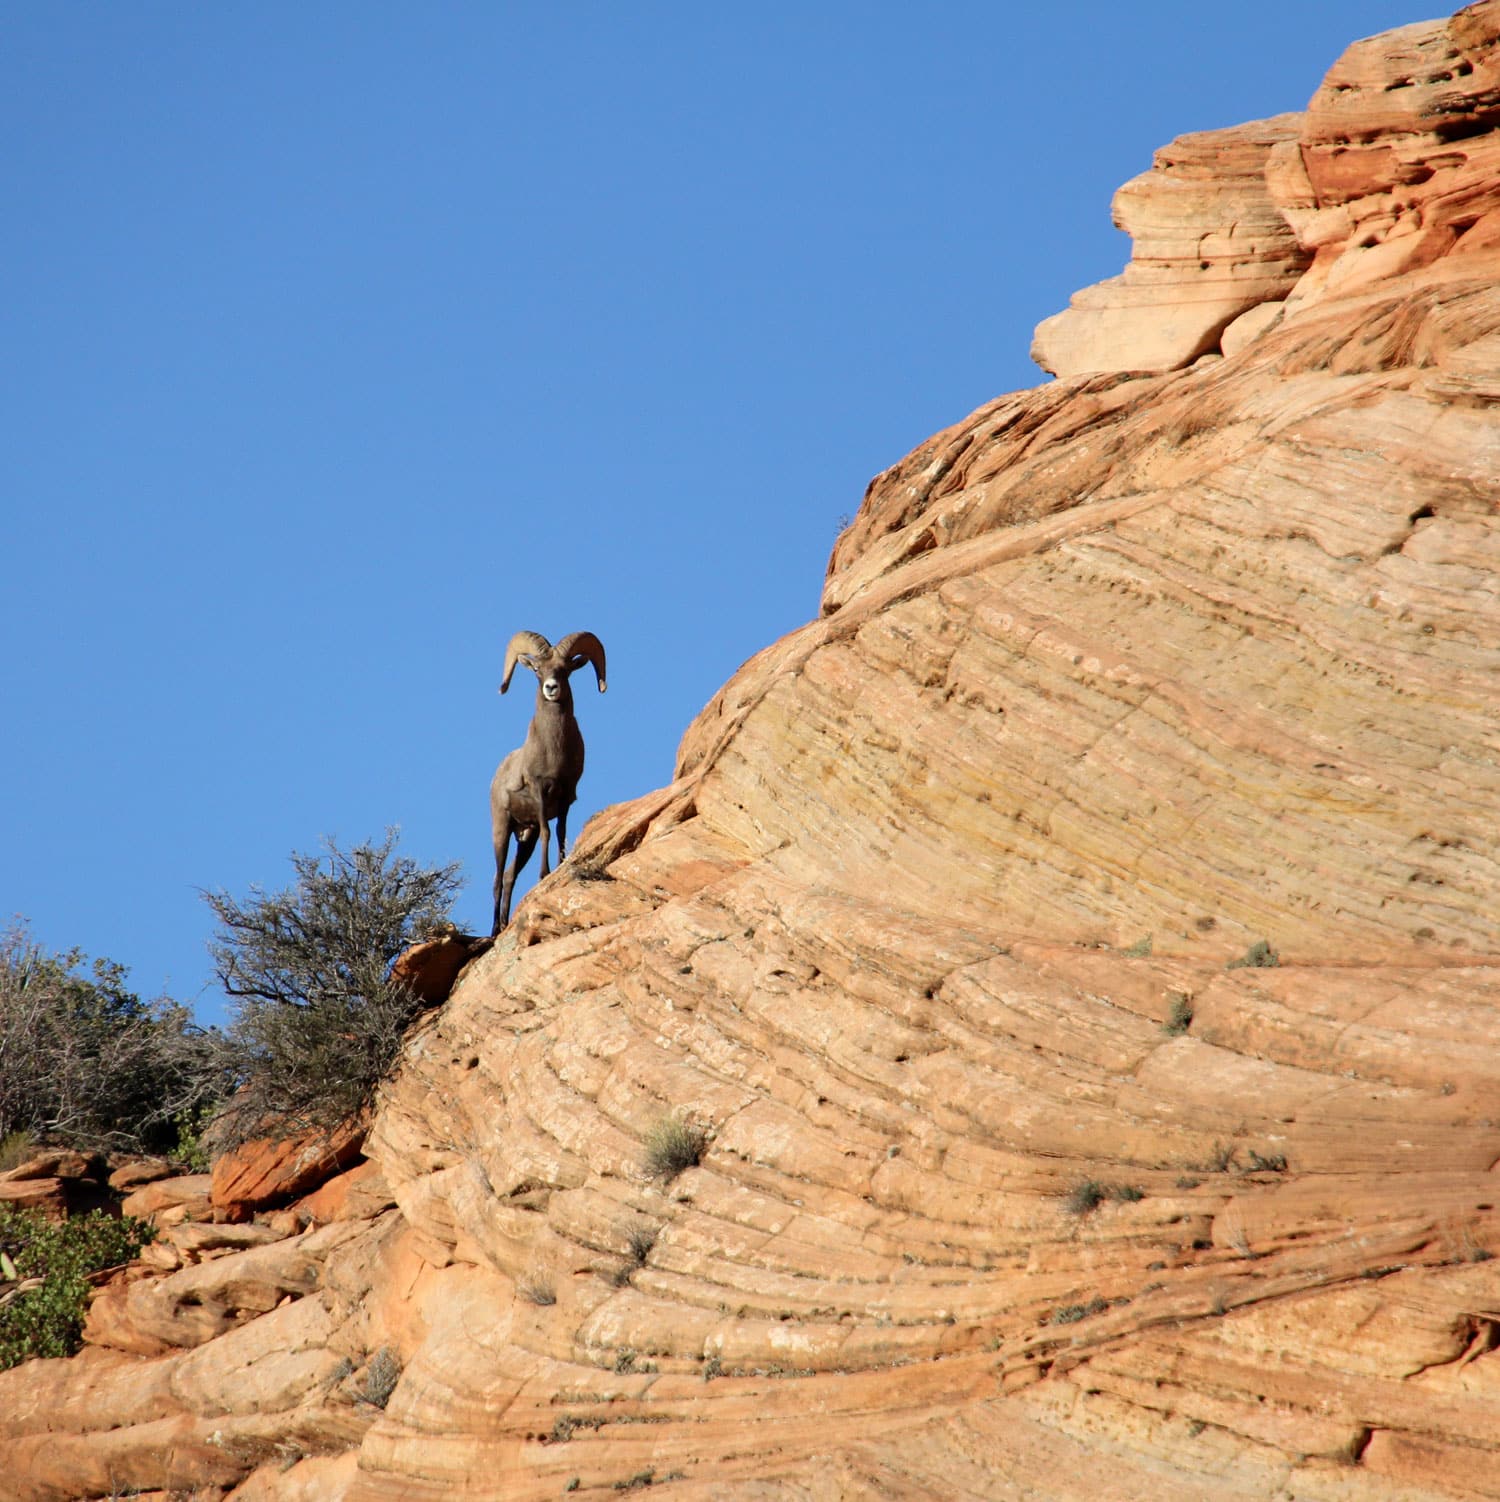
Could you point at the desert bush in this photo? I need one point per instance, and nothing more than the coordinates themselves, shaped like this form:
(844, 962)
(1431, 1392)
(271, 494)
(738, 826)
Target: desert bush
(46, 1320)
(1221, 1159)
(1084, 1197)
(1259, 956)
(85, 1062)
(381, 1377)
(537, 1288)
(673, 1145)
(1267, 1162)
(1070, 1314)
(639, 1240)
(316, 1021)
(1179, 1015)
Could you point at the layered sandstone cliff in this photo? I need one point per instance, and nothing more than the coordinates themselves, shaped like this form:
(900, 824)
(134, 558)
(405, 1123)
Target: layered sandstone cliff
(1019, 1181)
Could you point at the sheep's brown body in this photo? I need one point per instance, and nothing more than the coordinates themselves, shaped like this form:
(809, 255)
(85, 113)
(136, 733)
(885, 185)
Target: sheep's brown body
(538, 781)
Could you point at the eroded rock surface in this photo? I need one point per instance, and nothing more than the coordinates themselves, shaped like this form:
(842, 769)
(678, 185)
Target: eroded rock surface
(1077, 949)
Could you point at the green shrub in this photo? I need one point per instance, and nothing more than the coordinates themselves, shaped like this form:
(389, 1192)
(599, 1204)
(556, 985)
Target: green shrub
(317, 1022)
(47, 1321)
(85, 1062)
(1259, 956)
(1179, 1015)
(189, 1149)
(1267, 1162)
(1070, 1314)
(673, 1145)
(1085, 1197)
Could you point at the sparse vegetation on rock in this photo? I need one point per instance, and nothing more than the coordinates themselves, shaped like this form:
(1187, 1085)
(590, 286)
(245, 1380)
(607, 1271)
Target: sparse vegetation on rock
(86, 1063)
(1084, 1197)
(1259, 956)
(381, 1377)
(317, 1021)
(1179, 1015)
(673, 1145)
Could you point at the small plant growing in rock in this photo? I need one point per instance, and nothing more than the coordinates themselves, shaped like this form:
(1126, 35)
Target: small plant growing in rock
(625, 1359)
(638, 1243)
(1140, 950)
(564, 1428)
(1070, 1314)
(1259, 956)
(1084, 1197)
(381, 1377)
(1179, 1015)
(1088, 1194)
(1221, 1159)
(1267, 1162)
(536, 1289)
(673, 1145)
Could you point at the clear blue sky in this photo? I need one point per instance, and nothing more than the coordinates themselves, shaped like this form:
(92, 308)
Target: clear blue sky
(344, 340)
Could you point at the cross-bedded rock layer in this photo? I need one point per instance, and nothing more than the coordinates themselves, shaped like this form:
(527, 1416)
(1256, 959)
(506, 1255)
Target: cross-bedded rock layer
(1018, 1179)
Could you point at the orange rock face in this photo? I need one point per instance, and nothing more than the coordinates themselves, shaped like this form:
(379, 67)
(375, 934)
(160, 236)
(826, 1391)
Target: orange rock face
(1392, 168)
(1046, 1040)
(266, 1172)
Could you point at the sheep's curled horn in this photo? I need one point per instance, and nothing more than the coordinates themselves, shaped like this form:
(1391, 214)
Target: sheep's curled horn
(582, 645)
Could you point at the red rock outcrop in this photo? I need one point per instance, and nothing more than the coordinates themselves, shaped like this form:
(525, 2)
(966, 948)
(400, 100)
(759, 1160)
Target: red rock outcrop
(1075, 952)
(267, 1172)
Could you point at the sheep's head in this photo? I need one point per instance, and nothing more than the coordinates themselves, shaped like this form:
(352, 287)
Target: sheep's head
(554, 665)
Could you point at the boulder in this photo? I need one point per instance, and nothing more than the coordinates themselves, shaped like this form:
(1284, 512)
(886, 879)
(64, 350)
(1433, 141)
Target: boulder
(267, 1172)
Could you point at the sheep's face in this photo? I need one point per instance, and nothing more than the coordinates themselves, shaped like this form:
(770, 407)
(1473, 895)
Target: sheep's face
(552, 674)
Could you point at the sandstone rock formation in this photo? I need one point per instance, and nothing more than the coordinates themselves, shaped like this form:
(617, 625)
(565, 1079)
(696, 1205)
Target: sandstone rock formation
(1077, 948)
(1391, 168)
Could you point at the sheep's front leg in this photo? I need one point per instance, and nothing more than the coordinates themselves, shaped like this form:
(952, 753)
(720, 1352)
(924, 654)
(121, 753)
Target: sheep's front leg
(542, 793)
(562, 834)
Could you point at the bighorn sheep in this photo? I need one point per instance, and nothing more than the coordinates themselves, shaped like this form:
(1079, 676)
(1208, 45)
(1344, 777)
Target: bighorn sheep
(539, 780)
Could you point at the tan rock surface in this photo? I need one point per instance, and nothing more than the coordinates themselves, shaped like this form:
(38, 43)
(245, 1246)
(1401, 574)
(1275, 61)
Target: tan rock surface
(1209, 243)
(1016, 1180)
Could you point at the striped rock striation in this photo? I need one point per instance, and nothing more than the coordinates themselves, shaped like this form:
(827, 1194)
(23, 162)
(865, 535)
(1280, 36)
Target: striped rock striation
(1070, 964)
